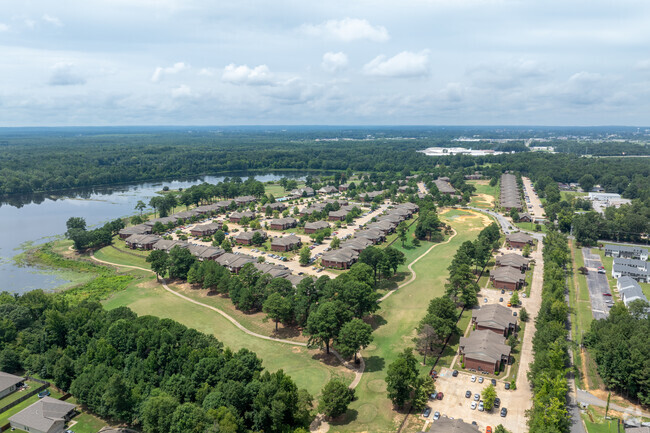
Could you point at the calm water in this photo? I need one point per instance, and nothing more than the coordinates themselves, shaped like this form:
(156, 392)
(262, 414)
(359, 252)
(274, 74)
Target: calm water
(39, 218)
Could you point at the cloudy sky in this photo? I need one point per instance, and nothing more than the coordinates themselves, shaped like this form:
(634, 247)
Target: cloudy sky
(426, 62)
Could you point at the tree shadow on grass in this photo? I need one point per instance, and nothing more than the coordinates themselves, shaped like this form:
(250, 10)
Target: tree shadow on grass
(327, 359)
(374, 363)
(349, 416)
(375, 321)
(286, 332)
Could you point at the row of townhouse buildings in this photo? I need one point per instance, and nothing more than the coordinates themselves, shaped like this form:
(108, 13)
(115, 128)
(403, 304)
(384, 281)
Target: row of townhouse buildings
(510, 197)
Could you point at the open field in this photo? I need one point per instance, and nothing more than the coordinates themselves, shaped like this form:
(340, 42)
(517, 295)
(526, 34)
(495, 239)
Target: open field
(531, 227)
(396, 322)
(304, 366)
(485, 195)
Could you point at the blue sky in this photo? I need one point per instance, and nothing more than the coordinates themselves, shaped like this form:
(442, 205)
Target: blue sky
(186, 62)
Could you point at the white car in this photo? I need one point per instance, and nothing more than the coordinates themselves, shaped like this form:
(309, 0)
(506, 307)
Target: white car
(480, 379)
(473, 405)
(473, 378)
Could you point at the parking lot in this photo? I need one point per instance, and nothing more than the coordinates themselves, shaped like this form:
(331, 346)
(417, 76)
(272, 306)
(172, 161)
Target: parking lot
(598, 285)
(455, 405)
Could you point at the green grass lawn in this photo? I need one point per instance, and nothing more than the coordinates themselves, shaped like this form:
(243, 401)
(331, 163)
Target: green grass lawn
(18, 394)
(4, 416)
(530, 226)
(277, 190)
(396, 322)
(85, 422)
(529, 279)
(566, 195)
(303, 365)
(121, 257)
(483, 187)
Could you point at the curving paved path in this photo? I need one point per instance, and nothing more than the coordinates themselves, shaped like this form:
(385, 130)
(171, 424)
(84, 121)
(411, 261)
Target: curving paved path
(410, 266)
(358, 372)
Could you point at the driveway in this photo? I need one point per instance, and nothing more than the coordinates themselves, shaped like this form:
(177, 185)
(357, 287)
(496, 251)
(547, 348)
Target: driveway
(598, 285)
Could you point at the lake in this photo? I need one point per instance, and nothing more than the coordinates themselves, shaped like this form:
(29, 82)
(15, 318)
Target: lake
(35, 219)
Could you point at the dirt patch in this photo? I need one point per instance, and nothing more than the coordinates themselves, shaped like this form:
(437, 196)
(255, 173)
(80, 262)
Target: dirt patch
(486, 198)
(296, 349)
(150, 284)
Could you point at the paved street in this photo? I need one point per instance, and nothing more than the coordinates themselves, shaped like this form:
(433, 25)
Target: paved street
(597, 284)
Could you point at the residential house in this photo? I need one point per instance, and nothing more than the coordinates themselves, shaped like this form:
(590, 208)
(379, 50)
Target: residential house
(385, 227)
(166, 221)
(244, 200)
(357, 244)
(295, 279)
(484, 350)
(205, 229)
(339, 201)
(47, 415)
(525, 218)
(339, 259)
(167, 245)
(186, 215)
(315, 226)
(510, 197)
(141, 242)
(246, 238)
(519, 239)
(277, 206)
(314, 208)
(634, 268)
(374, 235)
(338, 215)
(629, 290)
(275, 271)
(140, 229)
(303, 192)
(513, 260)
(328, 189)
(203, 252)
(344, 187)
(450, 425)
(507, 278)
(9, 383)
(234, 262)
(627, 252)
(283, 223)
(495, 318)
(236, 217)
(444, 186)
(286, 243)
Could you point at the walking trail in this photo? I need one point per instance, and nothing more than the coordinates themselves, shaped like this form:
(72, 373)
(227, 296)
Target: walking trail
(357, 372)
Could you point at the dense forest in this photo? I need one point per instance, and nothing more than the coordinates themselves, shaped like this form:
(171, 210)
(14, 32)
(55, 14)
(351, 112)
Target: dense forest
(152, 373)
(549, 368)
(33, 161)
(621, 347)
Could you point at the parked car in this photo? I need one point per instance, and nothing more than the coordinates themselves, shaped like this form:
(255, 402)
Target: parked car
(514, 313)
(473, 378)
(426, 412)
(497, 402)
(504, 412)
(480, 379)
(44, 393)
(503, 291)
(440, 396)
(507, 385)
(477, 397)
(485, 300)
(607, 294)
(601, 271)
(436, 416)
(473, 405)
(494, 382)
(488, 429)
(481, 408)
(468, 394)
(500, 299)
(455, 373)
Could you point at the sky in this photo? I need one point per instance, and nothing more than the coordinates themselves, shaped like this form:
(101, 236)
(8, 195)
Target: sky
(354, 62)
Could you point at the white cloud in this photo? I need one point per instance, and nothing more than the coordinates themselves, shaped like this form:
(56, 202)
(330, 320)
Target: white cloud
(63, 74)
(403, 65)
(347, 29)
(171, 70)
(257, 76)
(181, 91)
(643, 64)
(4, 27)
(30, 23)
(333, 62)
(52, 20)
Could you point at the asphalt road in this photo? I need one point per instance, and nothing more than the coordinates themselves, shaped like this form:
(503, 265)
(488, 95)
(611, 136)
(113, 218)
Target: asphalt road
(597, 284)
